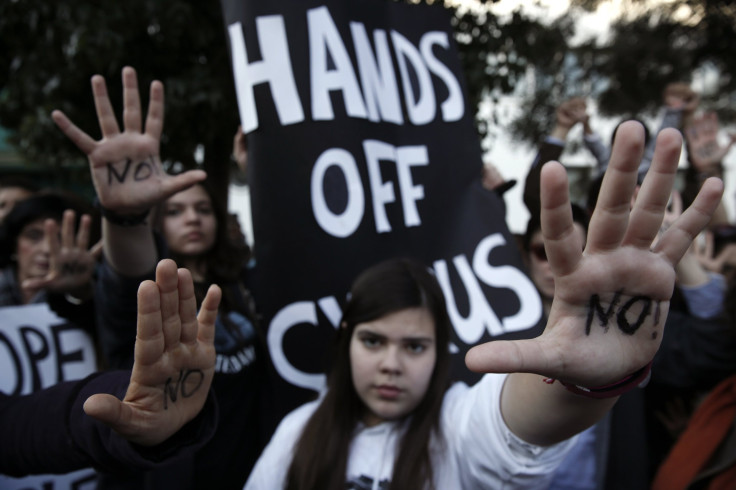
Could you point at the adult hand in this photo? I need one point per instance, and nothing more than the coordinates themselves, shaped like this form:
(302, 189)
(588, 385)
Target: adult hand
(611, 301)
(679, 95)
(705, 152)
(705, 253)
(174, 360)
(71, 264)
(126, 166)
(571, 112)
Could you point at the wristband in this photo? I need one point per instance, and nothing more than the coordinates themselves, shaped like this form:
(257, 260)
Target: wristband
(610, 390)
(125, 220)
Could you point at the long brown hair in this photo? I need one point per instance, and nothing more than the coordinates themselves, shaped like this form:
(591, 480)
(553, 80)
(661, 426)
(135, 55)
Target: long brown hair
(225, 261)
(385, 288)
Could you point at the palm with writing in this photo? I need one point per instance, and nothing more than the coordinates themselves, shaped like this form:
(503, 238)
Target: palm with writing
(174, 360)
(126, 166)
(611, 301)
(71, 264)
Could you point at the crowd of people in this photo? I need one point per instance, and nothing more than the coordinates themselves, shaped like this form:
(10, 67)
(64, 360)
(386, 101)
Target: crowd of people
(156, 275)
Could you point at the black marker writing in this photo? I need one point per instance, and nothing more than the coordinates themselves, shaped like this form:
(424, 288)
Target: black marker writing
(172, 390)
(143, 170)
(604, 315)
(594, 306)
(73, 269)
(623, 322)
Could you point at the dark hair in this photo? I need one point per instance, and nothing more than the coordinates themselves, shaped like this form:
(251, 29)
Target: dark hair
(19, 181)
(579, 215)
(224, 262)
(48, 204)
(388, 287)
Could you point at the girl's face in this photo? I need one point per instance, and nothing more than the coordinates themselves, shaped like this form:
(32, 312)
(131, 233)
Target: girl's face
(32, 251)
(189, 222)
(392, 360)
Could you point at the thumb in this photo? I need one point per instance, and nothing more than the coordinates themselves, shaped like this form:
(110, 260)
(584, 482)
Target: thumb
(182, 181)
(509, 356)
(96, 249)
(34, 284)
(105, 408)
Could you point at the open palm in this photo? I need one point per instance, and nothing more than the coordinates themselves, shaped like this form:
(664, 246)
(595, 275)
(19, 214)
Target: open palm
(611, 301)
(126, 166)
(174, 360)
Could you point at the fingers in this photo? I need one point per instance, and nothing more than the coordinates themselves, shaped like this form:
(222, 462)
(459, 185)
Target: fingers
(105, 113)
(83, 141)
(96, 249)
(187, 307)
(680, 235)
(177, 183)
(67, 229)
(131, 101)
(560, 240)
(208, 315)
(149, 344)
(155, 117)
(611, 216)
(51, 236)
(646, 216)
(167, 279)
(85, 223)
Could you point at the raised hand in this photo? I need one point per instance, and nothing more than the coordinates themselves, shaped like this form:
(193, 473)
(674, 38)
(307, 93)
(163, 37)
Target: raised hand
(679, 95)
(705, 152)
(71, 264)
(571, 112)
(126, 166)
(706, 256)
(611, 301)
(174, 360)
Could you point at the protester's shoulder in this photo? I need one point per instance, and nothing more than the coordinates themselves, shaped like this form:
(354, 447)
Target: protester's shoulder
(7, 282)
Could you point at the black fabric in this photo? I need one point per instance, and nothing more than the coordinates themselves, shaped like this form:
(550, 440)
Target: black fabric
(48, 432)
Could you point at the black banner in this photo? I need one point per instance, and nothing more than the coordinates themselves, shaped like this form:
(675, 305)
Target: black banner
(362, 147)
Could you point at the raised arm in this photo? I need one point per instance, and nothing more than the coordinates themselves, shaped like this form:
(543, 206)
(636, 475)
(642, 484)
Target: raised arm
(127, 172)
(174, 360)
(156, 405)
(607, 317)
(567, 115)
(71, 263)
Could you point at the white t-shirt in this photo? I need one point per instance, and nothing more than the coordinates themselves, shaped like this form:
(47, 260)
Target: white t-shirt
(480, 452)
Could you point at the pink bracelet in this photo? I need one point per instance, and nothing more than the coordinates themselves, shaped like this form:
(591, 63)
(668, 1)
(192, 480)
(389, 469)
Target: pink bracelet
(610, 390)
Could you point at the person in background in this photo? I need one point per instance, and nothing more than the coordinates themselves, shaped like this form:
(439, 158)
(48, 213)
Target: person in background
(389, 389)
(680, 102)
(12, 190)
(705, 155)
(180, 217)
(39, 264)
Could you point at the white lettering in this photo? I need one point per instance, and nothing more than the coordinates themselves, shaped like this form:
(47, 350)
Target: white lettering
(275, 69)
(407, 157)
(453, 107)
(380, 89)
(325, 43)
(507, 276)
(343, 224)
(421, 106)
(289, 316)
